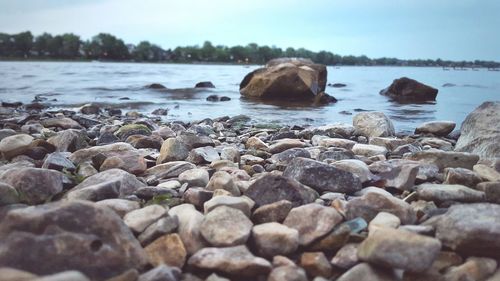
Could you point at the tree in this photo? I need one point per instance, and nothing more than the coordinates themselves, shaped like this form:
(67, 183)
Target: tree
(70, 45)
(23, 43)
(208, 51)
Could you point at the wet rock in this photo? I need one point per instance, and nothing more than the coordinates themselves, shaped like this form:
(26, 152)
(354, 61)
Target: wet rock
(274, 212)
(273, 239)
(223, 180)
(34, 186)
(285, 78)
(448, 192)
(204, 84)
(127, 183)
(225, 226)
(194, 177)
(168, 250)
(160, 111)
(445, 159)
(61, 122)
(373, 124)
(57, 161)
(189, 227)
(322, 177)
(316, 264)
(399, 249)
(369, 150)
(235, 261)
(406, 89)
(90, 108)
(163, 226)
(438, 128)
(172, 150)
(273, 188)
(364, 270)
(287, 273)
(312, 221)
(155, 86)
(241, 203)
(461, 176)
(480, 131)
(15, 145)
(138, 220)
(160, 273)
(79, 230)
(201, 155)
(371, 203)
(69, 140)
(119, 206)
(8, 194)
(216, 98)
(470, 229)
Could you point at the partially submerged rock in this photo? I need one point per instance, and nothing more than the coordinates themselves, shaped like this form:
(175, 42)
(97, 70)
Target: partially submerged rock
(406, 89)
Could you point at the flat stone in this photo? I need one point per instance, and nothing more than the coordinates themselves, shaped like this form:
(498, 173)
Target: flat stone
(273, 239)
(80, 231)
(273, 188)
(371, 203)
(486, 173)
(206, 154)
(34, 186)
(15, 145)
(384, 219)
(362, 270)
(373, 124)
(285, 157)
(312, 221)
(163, 226)
(235, 261)
(139, 219)
(461, 176)
(239, 203)
(284, 144)
(356, 167)
(127, 183)
(256, 143)
(167, 249)
(449, 192)
(470, 229)
(369, 150)
(109, 150)
(334, 142)
(61, 122)
(399, 249)
(397, 173)
(58, 161)
(321, 176)
(274, 212)
(438, 128)
(189, 227)
(119, 206)
(225, 226)
(195, 177)
(97, 192)
(389, 143)
(445, 159)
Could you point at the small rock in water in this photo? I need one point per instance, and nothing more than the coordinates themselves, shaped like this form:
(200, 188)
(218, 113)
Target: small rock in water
(155, 86)
(204, 84)
(438, 128)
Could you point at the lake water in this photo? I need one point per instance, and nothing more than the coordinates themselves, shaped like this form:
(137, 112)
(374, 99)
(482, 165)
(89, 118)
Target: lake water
(71, 84)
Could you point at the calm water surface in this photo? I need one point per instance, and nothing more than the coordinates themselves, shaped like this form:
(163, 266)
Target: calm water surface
(71, 84)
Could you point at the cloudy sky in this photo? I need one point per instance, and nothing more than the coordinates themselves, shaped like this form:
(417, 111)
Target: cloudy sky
(447, 29)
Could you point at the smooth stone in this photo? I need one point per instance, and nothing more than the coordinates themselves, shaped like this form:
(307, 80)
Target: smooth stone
(273, 188)
(168, 170)
(127, 183)
(474, 268)
(58, 161)
(470, 229)
(438, 128)
(371, 203)
(285, 157)
(85, 170)
(12, 274)
(334, 240)
(273, 239)
(316, 264)
(274, 212)
(34, 185)
(436, 143)
(167, 249)
(79, 230)
(384, 219)
(356, 167)
(287, 273)
(225, 226)
(195, 177)
(448, 192)
(235, 261)
(109, 150)
(139, 219)
(132, 129)
(138, 141)
(230, 153)
(200, 155)
(373, 124)
(163, 226)
(64, 276)
(461, 176)
(192, 140)
(347, 256)
(486, 173)
(368, 150)
(15, 145)
(389, 143)
(8, 194)
(399, 249)
(322, 177)
(445, 159)
(69, 140)
(312, 221)
(239, 203)
(119, 206)
(284, 144)
(172, 150)
(61, 122)
(223, 180)
(256, 143)
(367, 272)
(334, 142)
(396, 173)
(480, 131)
(197, 196)
(189, 227)
(97, 192)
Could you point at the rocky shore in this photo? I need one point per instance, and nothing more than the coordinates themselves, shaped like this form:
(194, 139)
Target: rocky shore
(97, 195)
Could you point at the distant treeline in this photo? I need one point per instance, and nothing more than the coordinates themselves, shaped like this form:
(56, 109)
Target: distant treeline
(106, 47)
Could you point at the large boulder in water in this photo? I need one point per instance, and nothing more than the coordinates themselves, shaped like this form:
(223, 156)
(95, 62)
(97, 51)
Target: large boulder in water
(406, 89)
(286, 78)
(480, 132)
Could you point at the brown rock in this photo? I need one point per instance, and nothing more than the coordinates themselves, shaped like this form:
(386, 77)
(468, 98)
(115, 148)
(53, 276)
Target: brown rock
(168, 250)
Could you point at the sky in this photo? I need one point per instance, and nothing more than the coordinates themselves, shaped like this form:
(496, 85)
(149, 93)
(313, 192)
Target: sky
(406, 29)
